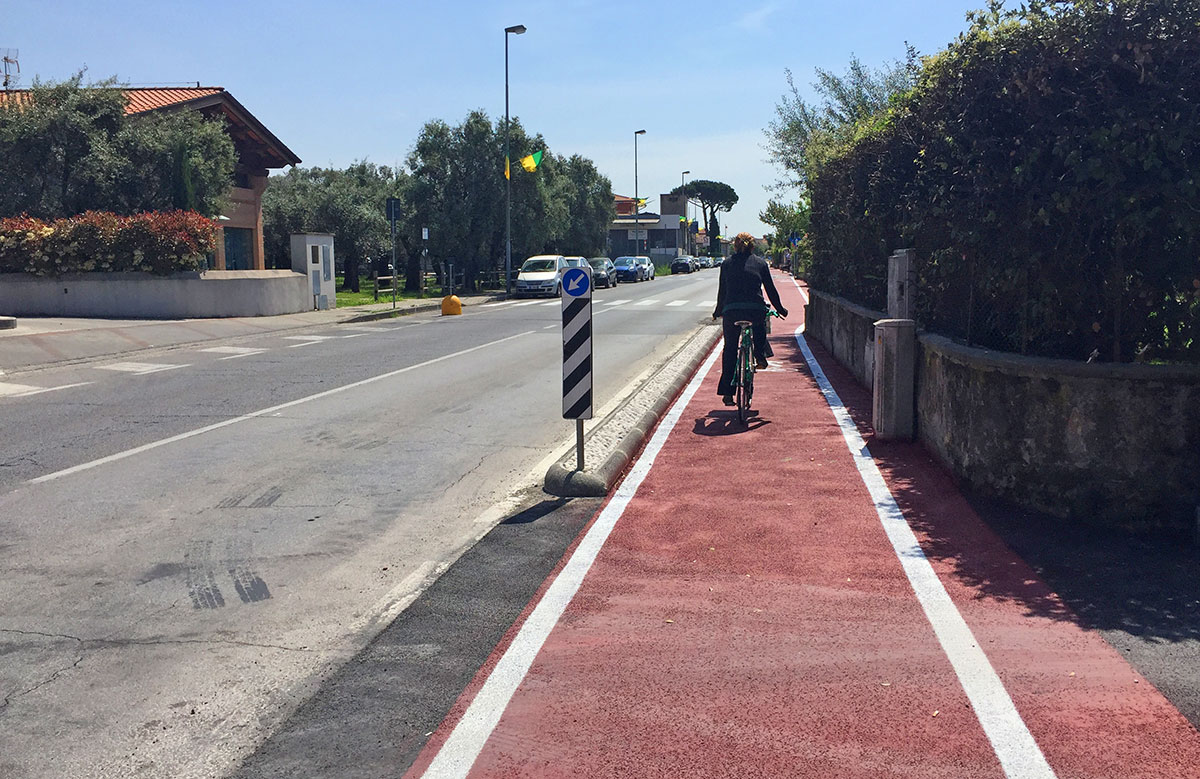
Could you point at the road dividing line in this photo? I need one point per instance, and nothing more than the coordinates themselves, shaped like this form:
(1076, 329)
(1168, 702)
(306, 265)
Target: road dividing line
(1014, 745)
(264, 412)
(466, 741)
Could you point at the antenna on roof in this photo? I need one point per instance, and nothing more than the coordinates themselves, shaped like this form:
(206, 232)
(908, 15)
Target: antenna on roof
(9, 56)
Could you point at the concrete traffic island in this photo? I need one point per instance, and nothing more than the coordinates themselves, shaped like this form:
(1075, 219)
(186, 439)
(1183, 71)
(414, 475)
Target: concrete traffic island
(617, 438)
(8, 322)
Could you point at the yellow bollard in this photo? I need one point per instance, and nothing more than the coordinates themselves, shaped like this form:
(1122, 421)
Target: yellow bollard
(451, 305)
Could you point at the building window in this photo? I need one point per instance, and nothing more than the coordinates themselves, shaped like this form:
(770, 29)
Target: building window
(239, 253)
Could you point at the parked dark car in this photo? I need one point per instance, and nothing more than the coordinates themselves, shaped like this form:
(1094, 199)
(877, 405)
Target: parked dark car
(682, 265)
(604, 273)
(629, 269)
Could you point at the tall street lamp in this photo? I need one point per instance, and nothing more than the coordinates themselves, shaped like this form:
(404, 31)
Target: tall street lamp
(516, 29)
(687, 225)
(637, 207)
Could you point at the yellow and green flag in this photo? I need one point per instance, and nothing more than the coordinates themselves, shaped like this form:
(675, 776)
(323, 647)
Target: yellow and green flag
(531, 162)
(506, 174)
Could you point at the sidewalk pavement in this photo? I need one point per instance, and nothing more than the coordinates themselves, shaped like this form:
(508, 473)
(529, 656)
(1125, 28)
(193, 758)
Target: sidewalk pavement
(39, 342)
(776, 601)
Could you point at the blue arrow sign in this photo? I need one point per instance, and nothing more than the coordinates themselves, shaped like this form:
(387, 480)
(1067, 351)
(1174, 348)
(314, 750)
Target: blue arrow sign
(575, 282)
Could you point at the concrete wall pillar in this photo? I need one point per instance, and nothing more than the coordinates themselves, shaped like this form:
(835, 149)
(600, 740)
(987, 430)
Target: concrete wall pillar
(893, 413)
(901, 287)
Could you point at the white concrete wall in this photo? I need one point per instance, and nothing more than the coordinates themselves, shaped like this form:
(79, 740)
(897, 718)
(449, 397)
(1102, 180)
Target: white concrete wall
(145, 296)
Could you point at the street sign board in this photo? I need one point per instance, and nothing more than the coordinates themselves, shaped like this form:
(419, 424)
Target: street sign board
(393, 210)
(577, 343)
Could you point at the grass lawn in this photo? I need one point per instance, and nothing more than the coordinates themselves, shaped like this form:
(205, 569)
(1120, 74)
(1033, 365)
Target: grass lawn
(366, 294)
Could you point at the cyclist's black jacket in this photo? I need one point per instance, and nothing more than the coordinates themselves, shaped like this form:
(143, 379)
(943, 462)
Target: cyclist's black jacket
(743, 279)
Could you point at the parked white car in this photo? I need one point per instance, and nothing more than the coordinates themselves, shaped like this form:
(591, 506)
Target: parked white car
(541, 275)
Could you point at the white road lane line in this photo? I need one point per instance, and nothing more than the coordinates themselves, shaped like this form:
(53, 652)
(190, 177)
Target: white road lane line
(1014, 745)
(25, 390)
(615, 302)
(139, 368)
(677, 303)
(264, 412)
(649, 302)
(501, 303)
(355, 335)
(466, 741)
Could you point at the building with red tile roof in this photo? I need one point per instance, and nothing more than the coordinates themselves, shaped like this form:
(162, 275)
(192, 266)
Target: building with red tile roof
(258, 151)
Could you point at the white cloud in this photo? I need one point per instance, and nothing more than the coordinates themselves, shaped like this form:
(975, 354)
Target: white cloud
(756, 20)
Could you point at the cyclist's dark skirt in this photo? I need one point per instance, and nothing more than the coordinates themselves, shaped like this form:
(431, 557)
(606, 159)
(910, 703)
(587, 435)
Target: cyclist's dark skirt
(732, 332)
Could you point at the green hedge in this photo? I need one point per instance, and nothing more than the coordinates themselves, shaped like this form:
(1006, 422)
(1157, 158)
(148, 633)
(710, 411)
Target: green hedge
(1045, 168)
(160, 243)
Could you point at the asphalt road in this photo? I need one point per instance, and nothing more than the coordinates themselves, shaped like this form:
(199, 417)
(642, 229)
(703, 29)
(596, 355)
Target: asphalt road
(194, 539)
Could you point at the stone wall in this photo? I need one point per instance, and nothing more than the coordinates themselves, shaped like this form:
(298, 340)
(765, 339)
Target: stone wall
(1096, 443)
(145, 296)
(1113, 444)
(847, 330)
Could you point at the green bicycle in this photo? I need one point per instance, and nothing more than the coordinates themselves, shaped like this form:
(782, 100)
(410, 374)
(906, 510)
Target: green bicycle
(743, 378)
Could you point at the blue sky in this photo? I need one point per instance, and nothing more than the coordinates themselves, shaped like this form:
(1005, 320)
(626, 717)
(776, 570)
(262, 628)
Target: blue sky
(339, 82)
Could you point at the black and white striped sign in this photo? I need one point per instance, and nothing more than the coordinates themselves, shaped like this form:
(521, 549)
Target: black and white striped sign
(577, 343)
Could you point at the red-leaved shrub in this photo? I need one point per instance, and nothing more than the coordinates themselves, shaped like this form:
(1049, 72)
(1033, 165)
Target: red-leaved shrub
(161, 242)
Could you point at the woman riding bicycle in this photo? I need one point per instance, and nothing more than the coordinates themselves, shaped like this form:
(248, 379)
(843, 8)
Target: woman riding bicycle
(744, 276)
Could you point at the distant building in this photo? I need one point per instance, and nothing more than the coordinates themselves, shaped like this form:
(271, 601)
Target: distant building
(240, 246)
(661, 237)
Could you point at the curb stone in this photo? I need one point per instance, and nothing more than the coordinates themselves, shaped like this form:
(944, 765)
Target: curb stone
(621, 435)
(8, 322)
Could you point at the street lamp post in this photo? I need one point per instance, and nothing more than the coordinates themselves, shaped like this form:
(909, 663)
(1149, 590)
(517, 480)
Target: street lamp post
(637, 206)
(516, 29)
(687, 225)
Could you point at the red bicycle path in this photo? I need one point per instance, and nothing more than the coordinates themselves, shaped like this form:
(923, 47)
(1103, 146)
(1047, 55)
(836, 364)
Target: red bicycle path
(747, 615)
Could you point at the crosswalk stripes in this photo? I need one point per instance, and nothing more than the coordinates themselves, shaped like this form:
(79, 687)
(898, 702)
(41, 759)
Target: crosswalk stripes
(233, 352)
(12, 390)
(617, 302)
(677, 303)
(140, 368)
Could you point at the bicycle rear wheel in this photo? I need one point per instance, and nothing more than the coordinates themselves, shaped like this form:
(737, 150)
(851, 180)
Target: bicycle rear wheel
(745, 380)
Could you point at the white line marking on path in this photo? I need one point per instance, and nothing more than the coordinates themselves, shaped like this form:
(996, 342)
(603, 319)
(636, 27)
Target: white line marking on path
(677, 303)
(553, 303)
(1014, 745)
(501, 303)
(25, 390)
(355, 335)
(527, 303)
(615, 302)
(466, 741)
(648, 302)
(234, 352)
(139, 368)
(264, 412)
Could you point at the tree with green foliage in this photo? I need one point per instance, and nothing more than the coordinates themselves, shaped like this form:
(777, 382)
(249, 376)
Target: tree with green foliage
(350, 204)
(714, 197)
(71, 148)
(791, 221)
(804, 134)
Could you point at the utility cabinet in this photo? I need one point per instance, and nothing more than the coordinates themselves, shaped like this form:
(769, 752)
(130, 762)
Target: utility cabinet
(312, 255)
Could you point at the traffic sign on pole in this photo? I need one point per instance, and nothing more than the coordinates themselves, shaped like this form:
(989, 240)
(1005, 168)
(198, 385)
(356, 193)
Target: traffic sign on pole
(577, 343)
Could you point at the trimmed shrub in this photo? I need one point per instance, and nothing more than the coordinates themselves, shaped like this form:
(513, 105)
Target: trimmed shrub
(1045, 169)
(159, 242)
